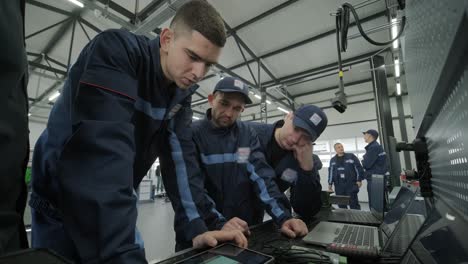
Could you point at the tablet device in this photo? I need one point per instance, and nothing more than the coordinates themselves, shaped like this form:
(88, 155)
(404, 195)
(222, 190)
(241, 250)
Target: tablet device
(228, 254)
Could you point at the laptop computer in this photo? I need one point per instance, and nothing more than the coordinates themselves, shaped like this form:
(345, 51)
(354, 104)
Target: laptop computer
(377, 205)
(361, 240)
(339, 199)
(442, 238)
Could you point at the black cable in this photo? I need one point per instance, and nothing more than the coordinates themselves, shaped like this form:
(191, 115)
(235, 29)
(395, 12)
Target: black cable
(348, 7)
(340, 30)
(290, 255)
(342, 24)
(401, 4)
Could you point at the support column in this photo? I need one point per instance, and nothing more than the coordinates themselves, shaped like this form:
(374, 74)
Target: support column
(384, 116)
(403, 131)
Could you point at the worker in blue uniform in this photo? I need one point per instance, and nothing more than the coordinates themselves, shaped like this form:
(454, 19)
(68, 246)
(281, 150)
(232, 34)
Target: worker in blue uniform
(238, 178)
(346, 173)
(375, 159)
(288, 147)
(126, 101)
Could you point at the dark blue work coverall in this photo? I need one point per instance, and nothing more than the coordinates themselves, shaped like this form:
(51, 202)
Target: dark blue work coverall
(115, 116)
(317, 164)
(374, 162)
(344, 173)
(237, 177)
(305, 185)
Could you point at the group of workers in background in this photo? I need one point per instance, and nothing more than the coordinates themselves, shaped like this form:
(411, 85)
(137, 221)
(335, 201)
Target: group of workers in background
(346, 172)
(126, 102)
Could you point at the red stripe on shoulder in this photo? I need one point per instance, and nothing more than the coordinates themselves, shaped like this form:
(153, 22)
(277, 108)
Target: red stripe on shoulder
(108, 89)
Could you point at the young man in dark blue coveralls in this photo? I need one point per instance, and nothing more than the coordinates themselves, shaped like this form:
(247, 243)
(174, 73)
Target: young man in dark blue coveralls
(346, 173)
(14, 145)
(126, 102)
(375, 159)
(238, 178)
(288, 147)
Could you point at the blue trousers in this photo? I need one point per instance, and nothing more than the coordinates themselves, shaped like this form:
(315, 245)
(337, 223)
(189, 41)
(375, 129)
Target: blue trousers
(48, 232)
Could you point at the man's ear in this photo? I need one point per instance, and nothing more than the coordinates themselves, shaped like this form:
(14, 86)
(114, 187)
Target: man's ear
(211, 98)
(165, 38)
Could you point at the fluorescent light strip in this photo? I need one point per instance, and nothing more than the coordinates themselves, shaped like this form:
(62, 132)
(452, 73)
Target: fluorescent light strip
(398, 88)
(76, 2)
(54, 96)
(397, 68)
(195, 117)
(283, 110)
(450, 217)
(268, 102)
(394, 32)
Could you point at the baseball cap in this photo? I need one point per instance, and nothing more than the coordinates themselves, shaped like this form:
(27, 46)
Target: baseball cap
(372, 132)
(233, 85)
(312, 119)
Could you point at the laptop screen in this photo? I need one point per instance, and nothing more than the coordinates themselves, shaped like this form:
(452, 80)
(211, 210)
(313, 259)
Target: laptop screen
(399, 208)
(442, 238)
(402, 223)
(377, 196)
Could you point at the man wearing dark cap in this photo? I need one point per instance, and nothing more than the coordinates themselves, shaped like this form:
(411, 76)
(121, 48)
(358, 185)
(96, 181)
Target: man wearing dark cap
(288, 147)
(237, 178)
(346, 173)
(375, 160)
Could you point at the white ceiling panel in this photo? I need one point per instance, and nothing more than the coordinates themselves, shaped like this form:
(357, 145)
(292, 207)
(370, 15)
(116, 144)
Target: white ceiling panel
(34, 19)
(320, 52)
(231, 54)
(38, 84)
(297, 22)
(239, 11)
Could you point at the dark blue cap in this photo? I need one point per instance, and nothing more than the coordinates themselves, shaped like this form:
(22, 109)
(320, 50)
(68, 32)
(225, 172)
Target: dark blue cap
(233, 85)
(312, 119)
(372, 132)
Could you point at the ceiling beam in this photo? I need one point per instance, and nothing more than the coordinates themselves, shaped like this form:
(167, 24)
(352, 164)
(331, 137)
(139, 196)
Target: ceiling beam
(149, 9)
(34, 65)
(302, 42)
(334, 87)
(49, 7)
(45, 29)
(91, 26)
(330, 66)
(329, 107)
(118, 8)
(91, 5)
(261, 16)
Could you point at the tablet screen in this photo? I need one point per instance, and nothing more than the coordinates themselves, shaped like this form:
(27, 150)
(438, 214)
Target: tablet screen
(228, 254)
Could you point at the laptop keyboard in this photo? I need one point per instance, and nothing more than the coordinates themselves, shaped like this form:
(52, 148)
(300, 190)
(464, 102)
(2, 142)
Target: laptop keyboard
(353, 216)
(355, 235)
(362, 217)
